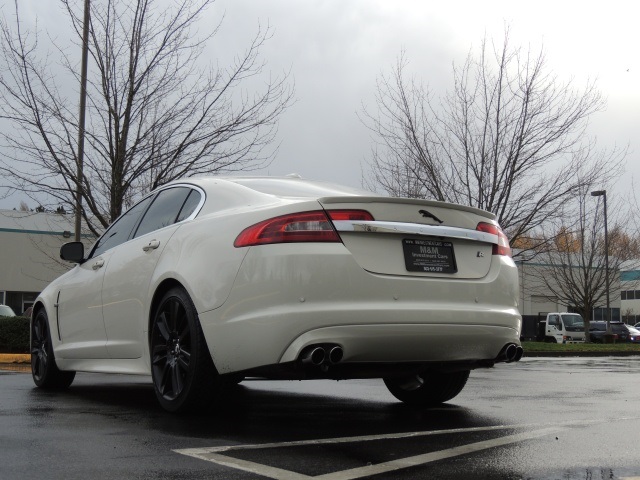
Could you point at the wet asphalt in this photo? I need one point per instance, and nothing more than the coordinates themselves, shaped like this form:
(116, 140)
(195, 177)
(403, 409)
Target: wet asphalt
(542, 418)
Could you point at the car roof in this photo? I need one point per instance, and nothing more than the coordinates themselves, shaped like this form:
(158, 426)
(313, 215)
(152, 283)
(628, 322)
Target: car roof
(287, 186)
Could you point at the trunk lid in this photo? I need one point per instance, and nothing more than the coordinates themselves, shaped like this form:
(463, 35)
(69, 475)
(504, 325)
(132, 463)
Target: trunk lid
(418, 238)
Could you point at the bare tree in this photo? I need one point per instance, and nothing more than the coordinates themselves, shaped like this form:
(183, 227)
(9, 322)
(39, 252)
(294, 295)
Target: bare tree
(154, 113)
(574, 270)
(508, 138)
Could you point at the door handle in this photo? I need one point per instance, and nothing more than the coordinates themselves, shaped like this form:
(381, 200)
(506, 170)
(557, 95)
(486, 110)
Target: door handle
(152, 245)
(98, 264)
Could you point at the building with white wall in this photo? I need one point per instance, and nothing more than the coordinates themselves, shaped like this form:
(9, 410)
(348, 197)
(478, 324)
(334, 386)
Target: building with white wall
(630, 294)
(30, 253)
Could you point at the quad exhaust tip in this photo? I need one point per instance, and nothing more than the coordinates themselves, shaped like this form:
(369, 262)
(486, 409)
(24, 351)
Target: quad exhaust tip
(322, 355)
(510, 353)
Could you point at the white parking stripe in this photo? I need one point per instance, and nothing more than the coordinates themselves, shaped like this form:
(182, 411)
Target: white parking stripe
(364, 438)
(258, 468)
(434, 456)
(390, 436)
(213, 454)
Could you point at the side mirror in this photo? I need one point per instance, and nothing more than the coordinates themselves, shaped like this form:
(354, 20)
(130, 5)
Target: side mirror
(72, 252)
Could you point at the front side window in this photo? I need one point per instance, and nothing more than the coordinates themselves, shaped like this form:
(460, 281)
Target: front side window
(120, 231)
(164, 210)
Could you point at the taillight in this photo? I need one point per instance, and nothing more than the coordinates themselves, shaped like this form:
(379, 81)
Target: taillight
(296, 227)
(350, 215)
(502, 247)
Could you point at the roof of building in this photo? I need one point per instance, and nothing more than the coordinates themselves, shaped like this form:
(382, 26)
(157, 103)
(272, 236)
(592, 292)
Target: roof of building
(43, 223)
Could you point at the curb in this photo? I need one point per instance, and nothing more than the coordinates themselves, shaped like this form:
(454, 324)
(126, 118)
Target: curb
(15, 358)
(25, 358)
(580, 354)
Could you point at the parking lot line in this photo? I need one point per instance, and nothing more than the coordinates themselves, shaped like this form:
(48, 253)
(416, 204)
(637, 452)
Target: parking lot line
(434, 456)
(213, 454)
(257, 468)
(195, 452)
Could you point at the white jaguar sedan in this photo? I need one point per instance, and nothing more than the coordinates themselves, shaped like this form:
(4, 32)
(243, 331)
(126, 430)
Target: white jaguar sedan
(207, 281)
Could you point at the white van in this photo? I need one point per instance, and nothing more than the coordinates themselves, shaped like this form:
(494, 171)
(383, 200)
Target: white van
(563, 328)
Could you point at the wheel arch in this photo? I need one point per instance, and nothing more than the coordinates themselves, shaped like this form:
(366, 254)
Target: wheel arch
(164, 286)
(37, 306)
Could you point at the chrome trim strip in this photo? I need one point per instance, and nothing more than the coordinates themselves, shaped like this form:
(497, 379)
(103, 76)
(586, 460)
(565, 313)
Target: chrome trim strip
(414, 229)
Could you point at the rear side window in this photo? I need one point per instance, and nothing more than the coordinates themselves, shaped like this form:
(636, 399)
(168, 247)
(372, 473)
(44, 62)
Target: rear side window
(190, 204)
(121, 230)
(164, 210)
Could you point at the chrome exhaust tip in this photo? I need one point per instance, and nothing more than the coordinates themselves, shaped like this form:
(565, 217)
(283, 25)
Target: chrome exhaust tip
(314, 356)
(519, 353)
(510, 353)
(335, 355)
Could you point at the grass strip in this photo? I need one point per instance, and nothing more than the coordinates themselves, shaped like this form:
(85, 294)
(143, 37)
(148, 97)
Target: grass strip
(581, 347)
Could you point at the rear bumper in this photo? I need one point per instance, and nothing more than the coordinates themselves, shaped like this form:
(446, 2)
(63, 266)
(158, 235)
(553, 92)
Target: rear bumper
(287, 297)
(399, 343)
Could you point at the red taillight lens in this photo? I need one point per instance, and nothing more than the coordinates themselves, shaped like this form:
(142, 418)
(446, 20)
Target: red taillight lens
(296, 227)
(350, 215)
(502, 248)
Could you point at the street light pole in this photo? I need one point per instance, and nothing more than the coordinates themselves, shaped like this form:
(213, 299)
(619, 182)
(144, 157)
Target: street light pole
(603, 193)
(81, 119)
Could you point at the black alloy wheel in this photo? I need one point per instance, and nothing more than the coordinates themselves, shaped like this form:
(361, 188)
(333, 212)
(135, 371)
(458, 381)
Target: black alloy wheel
(183, 373)
(44, 370)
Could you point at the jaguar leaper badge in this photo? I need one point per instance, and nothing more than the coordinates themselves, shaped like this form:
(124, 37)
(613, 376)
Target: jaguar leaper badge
(427, 214)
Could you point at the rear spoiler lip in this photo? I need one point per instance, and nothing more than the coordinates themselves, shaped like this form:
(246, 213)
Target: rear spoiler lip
(406, 201)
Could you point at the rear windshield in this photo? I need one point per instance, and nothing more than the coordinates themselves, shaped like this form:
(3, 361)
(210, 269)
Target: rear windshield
(285, 187)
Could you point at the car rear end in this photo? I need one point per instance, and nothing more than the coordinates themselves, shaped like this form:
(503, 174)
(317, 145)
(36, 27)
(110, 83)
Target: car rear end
(364, 285)
(634, 334)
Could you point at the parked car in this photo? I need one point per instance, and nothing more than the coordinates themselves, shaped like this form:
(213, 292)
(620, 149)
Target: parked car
(598, 329)
(6, 311)
(637, 325)
(206, 281)
(634, 334)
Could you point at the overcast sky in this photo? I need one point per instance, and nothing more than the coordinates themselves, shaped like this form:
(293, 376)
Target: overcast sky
(335, 49)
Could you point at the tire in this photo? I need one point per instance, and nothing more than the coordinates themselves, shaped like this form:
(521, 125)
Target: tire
(184, 376)
(428, 388)
(44, 370)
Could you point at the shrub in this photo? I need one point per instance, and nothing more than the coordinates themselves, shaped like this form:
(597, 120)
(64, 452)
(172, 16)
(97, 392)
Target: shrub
(14, 334)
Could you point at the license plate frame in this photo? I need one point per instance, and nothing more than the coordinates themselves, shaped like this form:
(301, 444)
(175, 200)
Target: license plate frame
(429, 256)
